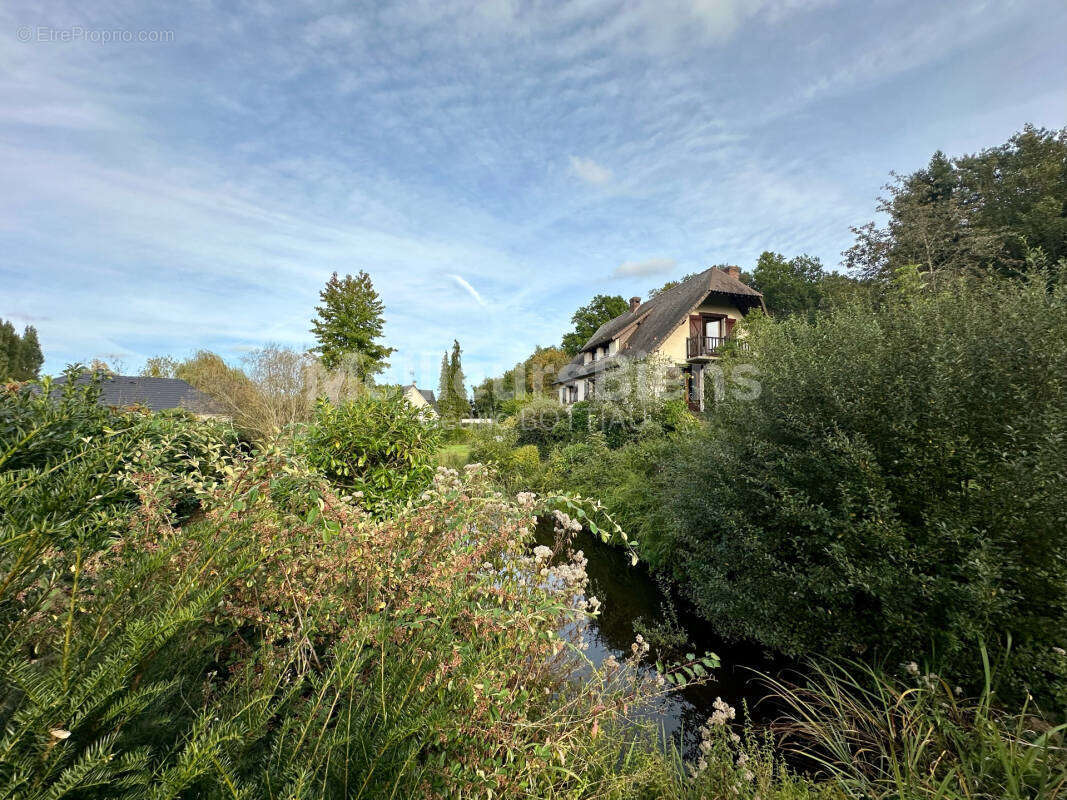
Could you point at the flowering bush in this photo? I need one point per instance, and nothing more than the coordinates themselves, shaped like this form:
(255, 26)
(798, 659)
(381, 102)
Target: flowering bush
(284, 642)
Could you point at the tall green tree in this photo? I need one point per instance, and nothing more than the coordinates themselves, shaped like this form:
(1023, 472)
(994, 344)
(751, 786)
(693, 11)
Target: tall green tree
(789, 286)
(487, 398)
(30, 356)
(443, 382)
(348, 324)
(977, 213)
(20, 356)
(8, 350)
(591, 316)
(452, 400)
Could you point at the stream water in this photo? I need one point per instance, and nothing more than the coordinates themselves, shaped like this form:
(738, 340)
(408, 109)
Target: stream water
(632, 600)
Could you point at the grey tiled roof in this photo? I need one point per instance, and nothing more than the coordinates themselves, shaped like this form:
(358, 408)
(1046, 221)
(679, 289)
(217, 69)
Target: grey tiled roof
(656, 318)
(157, 394)
(427, 395)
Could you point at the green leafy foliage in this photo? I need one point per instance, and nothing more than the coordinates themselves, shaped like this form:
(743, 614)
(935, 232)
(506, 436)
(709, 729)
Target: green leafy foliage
(628, 480)
(20, 356)
(896, 486)
(282, 643)
(591, 316)
(349, 322)
(377, 444)
(542, 422)
(973, 214)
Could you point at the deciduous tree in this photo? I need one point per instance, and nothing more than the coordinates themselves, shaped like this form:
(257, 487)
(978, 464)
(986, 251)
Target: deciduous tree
(973, 214)
(590, 317)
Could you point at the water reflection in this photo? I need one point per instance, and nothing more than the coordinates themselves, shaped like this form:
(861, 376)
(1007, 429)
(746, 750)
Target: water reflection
(631, 595)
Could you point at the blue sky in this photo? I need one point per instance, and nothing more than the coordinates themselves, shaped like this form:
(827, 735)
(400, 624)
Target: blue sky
(492, 165)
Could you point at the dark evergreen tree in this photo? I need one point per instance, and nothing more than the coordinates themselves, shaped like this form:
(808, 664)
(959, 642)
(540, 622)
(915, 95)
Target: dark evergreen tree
(10, 351)
(348, 324)
(443, 382)
(452, 402)
(30, 356)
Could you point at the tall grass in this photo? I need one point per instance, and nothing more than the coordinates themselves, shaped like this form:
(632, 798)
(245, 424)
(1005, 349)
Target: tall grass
(919, 736)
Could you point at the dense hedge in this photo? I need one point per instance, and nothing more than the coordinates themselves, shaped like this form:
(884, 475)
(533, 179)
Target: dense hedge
(898, 487)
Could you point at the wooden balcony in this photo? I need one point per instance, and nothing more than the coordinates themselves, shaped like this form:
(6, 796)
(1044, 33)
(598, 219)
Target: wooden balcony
(702, 347)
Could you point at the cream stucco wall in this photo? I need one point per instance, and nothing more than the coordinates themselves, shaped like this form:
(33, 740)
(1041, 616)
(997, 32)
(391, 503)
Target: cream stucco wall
(674, 345)
(416, 399)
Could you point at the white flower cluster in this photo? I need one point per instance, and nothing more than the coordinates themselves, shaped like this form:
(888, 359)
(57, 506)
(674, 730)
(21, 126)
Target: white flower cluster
(542, 553)
(564, 523)
(526, 499)
(572, 575)
(930, 680)
(446, 479)
(722, 713)
(640, 646)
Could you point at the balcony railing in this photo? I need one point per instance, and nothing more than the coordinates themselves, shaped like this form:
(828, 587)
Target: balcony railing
(711, 346)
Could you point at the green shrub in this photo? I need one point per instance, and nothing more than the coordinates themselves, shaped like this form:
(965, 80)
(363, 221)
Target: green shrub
(70, 468)
(628, 481)
(542, 422)
(492, 444)
(640, 399)
(897, 485)
(454, 434)
(523, 468)
(580, 419)
(377, 444)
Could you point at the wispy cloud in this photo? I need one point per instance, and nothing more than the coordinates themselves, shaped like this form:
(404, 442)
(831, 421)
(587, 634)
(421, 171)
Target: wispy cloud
(463, 282)
(199, 193)
(590, 171)
(650, 266)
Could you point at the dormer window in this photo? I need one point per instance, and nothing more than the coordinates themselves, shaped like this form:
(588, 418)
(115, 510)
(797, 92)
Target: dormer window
(587, 357)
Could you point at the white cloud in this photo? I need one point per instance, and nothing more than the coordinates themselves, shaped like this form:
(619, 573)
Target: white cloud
(650, 266)
(590, 171)
(470, 289)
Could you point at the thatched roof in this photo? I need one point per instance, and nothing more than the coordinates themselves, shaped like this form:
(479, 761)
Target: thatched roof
(655, 319)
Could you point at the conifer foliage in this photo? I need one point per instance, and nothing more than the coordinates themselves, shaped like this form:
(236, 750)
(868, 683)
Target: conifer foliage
(20, 356)
(349, 324)
(452, 402)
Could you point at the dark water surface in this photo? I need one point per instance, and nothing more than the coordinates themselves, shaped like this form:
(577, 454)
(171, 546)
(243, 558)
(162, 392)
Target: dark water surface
(631, 597)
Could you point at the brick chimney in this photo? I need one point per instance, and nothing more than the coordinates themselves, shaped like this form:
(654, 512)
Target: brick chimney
(634, 303)
(733, 272)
